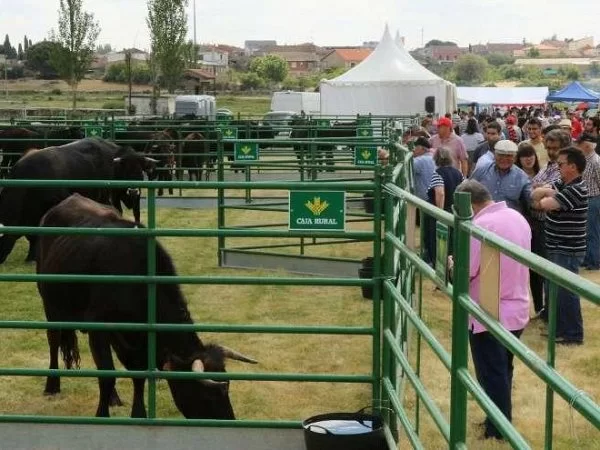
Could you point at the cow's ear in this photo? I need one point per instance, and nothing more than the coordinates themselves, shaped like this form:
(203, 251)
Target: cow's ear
(168, 366)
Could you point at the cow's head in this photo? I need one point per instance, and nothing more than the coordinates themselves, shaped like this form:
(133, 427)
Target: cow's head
(130, 165)
(203, 399)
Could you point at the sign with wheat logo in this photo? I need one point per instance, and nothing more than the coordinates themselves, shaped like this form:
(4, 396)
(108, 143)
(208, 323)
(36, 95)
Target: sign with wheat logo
(317, 210)
(246, 152)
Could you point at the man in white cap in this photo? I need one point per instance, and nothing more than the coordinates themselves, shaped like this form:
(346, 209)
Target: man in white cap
(505, 181)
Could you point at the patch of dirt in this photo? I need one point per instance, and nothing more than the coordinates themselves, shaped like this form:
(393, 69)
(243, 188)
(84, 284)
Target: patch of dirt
(85, 86)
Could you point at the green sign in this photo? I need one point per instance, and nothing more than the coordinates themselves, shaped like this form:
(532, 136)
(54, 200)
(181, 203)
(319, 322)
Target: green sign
(364, 132)
(363, 121)
(93, 131)
(441, 251)
(229, 133)
(365, 156)
(317, 211)
(246, 152)
(323, 123)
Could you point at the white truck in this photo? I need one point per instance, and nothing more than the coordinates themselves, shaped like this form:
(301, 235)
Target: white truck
(309, 102)
(195, 106)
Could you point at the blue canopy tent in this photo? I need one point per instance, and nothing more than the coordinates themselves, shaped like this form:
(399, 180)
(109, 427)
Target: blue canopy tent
(574, 92)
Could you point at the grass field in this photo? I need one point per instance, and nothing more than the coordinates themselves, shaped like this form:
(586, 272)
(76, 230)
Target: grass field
(291, 353)
(97, 93)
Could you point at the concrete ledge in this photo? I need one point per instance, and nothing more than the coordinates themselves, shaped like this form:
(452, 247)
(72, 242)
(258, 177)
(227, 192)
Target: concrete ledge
(244, 259)
(30, 436)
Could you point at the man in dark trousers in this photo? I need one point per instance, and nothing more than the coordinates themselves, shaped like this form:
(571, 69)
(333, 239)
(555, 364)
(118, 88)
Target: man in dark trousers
(493, 362)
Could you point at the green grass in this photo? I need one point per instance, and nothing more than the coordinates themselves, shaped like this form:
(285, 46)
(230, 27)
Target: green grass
(292, 305)
(253, 106)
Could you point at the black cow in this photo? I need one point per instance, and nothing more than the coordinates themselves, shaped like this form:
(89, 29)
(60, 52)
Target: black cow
(88, 159)
(102, 302)
(195, 156)
(14, 142)
(161, 147)
(323, 153)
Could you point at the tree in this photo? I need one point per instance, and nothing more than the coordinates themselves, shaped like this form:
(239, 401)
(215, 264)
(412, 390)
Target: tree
(270, 67)
(25, 46)
(438, 42)
(77, 34)
(190, 54)
(38, 59)
(533, 52)
(8, 50)
(499, 59)
(594, 69)
(20, 52)
(104, 49)
(167, 23)
(470, 68)
(251, 80)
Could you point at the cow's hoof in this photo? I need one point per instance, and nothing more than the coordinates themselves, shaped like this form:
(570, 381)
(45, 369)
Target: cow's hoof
(115, 400)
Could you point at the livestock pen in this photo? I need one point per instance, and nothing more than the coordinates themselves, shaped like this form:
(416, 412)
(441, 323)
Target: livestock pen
(394, 322)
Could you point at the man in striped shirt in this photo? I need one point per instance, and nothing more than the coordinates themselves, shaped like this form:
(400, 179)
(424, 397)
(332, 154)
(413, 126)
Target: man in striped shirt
(591, 176)
(554, 141)
(566, 205)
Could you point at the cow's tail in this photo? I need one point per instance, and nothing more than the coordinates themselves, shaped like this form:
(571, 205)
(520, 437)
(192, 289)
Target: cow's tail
(69, 349)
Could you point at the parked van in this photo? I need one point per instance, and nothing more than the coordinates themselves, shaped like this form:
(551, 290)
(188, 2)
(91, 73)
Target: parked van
(195, 106)
(309, 102)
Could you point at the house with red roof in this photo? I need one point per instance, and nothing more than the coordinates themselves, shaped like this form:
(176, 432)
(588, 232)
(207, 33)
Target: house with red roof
(346, 57)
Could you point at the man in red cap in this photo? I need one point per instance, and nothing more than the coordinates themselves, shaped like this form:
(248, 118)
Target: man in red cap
(447, 138)
(512, 130)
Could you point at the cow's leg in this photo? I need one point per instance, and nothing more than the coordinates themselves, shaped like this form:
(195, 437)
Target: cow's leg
(138, 409)
(329, 158)
(100, 348)
(53, 382)
(170, 178)
(32, 253)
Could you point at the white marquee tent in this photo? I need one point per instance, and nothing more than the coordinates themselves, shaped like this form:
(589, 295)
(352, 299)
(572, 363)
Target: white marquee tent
(502, 96)
(388, 82)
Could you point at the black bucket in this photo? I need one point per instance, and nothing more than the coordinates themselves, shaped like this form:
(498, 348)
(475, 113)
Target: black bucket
(366, 272)
(344, 431)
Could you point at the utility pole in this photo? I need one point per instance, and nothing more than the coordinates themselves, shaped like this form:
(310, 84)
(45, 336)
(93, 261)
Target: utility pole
(128, 64)
(195, 48)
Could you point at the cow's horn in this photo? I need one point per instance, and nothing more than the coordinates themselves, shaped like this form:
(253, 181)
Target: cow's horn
(117, 159)
(151, 159)
(1, 234)
(232, 354)
(198, 366)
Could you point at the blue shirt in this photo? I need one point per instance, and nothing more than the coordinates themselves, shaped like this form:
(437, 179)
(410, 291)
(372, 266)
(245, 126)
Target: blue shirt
(487, 158)
(512, 187)
(423, 168)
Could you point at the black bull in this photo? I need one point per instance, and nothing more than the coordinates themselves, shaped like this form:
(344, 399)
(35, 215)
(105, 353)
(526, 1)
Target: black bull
(122, 302)
(323, 153)
(88, 159)
(14, 142)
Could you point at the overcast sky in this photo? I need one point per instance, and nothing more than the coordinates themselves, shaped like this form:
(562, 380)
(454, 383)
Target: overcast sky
(324, 22)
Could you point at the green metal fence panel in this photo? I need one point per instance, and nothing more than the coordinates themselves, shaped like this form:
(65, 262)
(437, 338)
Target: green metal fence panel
(454, 428)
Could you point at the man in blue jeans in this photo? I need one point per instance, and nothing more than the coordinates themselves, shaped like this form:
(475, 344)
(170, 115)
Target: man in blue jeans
(566, 205)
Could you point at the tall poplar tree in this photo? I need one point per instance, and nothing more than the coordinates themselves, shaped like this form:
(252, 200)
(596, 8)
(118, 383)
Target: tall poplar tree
(77, 34)
(167, 22)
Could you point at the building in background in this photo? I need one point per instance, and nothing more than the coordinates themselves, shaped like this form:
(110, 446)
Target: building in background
(346, 57)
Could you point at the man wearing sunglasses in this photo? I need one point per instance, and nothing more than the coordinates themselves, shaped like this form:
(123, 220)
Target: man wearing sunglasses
(565, 203)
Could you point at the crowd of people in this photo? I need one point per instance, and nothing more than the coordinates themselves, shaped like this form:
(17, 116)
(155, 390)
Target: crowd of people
(534, 179)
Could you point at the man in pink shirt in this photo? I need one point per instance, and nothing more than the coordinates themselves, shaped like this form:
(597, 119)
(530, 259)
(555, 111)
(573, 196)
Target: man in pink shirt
(493, 362)
(447, 138)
